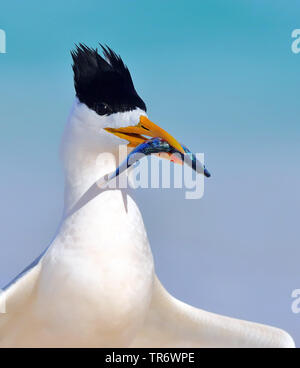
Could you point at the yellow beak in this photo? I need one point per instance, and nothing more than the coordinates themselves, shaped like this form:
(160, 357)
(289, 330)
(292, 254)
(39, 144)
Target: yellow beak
(137, 134)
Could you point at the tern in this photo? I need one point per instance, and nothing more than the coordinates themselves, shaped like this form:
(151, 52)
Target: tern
(95, 285)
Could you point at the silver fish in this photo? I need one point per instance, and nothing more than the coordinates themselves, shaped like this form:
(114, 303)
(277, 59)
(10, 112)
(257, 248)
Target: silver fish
(155, 146)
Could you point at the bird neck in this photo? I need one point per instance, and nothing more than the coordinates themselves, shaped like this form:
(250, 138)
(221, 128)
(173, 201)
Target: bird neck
(88, 151)
(87, 154)
(79, 178)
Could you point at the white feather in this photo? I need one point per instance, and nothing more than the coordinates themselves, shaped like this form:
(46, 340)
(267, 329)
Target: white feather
(95, 286)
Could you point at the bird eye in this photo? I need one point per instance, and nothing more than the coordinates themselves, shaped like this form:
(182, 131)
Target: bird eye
(103, 108)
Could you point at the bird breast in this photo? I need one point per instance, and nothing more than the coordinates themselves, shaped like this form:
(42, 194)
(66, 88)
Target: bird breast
(97, 277)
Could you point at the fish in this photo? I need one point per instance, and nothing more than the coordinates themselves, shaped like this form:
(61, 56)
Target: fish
(161, 148)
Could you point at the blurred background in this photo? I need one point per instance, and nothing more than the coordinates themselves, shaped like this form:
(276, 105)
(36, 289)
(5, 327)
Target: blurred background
(222, 78)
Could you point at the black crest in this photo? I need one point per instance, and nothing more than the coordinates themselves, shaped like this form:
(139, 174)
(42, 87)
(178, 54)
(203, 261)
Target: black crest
(104, 84)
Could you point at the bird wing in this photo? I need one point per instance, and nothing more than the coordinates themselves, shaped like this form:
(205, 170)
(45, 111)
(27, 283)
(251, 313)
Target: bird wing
(15, 296)
(174, 324)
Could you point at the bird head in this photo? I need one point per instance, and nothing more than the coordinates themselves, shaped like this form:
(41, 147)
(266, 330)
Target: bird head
(113, 112)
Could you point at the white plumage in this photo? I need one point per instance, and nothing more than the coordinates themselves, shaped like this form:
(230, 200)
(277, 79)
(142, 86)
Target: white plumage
(96, 285)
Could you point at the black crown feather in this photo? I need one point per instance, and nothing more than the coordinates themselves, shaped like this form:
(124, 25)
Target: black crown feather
(103, 84)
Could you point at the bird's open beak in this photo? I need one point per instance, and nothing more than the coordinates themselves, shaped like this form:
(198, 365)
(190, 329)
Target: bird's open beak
(138, 134)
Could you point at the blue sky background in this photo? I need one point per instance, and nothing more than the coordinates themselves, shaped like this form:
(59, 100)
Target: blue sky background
(221, 77)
